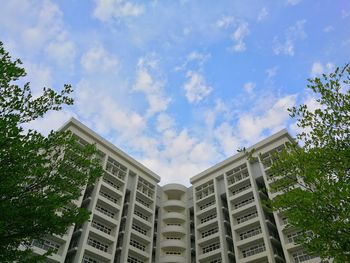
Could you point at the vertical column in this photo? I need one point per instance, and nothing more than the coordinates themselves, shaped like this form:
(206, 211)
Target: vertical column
(96, 239)
(137, 242)
(244, 206)
(209, 243)
(287, 235)
(173, 236)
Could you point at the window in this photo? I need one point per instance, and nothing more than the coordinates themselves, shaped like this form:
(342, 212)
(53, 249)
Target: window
(210, 232)
(241, 189)
(217, 260)
(249, 233)
(204, 190)
(88, 259)
(139, 229)
(138, 245)
(97, 244)
(101, 227)
(202, 207)
(109, 197)
(293, 237)
(80, 141)
(141, 215)
(105, 211)
(285, 220)
(301, 256)
(116, 168)
(134, 260)
(268, 158)
(173, 238)
(237, 174)
(173, 224)
(111, 183)
(142, 202)
(244, 202)
(177, 253)
(145, 187)
(210, 248)
(253, 250)
(46, 244)
(246, 217)
(208, 218)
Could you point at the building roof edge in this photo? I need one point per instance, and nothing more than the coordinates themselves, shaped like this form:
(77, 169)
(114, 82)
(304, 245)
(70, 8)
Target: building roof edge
(107, 144)
(238, 156)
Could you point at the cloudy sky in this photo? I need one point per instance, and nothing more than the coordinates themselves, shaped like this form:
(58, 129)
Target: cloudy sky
(178, 84)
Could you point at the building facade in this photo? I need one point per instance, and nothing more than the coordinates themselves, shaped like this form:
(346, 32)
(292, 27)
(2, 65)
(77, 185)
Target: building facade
(219, 219)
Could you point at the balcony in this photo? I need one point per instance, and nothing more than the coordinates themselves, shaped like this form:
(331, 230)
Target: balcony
(174, 229)
(174, 204)
(249, 240)
(169, 188)
(173, 244)
(172, 258)
(174, 216)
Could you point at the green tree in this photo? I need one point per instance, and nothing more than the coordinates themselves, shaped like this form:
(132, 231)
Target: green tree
(40, 176)
(319, 202)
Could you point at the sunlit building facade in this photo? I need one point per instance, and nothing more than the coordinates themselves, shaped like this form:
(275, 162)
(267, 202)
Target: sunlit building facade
(219, 219)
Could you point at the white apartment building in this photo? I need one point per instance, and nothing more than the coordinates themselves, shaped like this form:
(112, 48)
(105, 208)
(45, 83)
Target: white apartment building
(220, 219)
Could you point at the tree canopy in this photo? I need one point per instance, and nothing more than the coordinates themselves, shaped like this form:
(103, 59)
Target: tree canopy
(318, 203)
(40, 176)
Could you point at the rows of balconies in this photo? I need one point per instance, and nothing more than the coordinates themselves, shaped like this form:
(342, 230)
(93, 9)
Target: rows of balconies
(173, 243)
(116, 168)
(237, 174)
(174, 205)
(53, 243)
(204, 190)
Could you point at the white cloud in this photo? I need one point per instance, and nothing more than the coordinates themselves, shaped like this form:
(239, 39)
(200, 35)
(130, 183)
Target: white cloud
(63, 52)
(186, 31)
(318, 68)
(328, 29)
(150, 86)
(47, 26)
(344, 13)
(293, 2)
(224, 22)
(210, 115)
(105, 113)
(107, 9)
(271, 72)
(53, 120)
(180, 156)
(97, 59)
(312, 104)
(202, 152)
(262, 14)
(200, 57)
(39, 77)
(227, 138)
(292, 34)
(242, 30)
(251, 126)
(164, 122)
(249, 87)
(196, 87)
(43, 29)
(287, 48)
(179, 146)
(197, 57)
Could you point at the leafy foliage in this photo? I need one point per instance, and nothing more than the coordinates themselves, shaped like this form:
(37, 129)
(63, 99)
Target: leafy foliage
(318, 203)
(40, 176)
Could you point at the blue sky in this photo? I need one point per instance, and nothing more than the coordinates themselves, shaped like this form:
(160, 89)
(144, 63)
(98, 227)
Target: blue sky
(178, 84)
